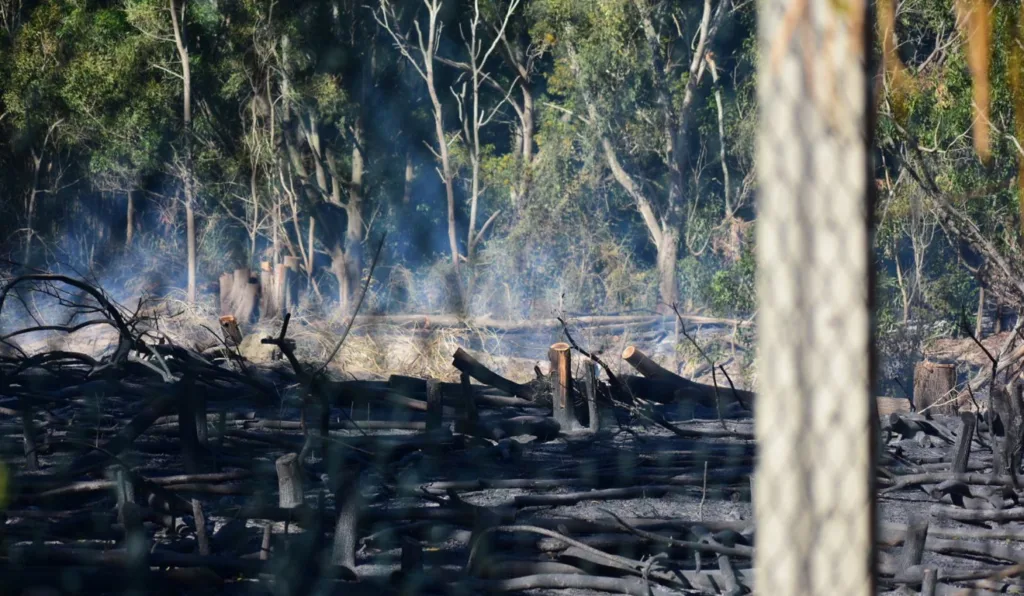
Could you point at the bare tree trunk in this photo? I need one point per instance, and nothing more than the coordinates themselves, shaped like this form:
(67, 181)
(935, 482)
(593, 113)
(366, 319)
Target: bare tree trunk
(427, 45)
(30, 209)
(187, 182)
(275, 241)
(721, 135)
(310, 251)
(449, 183)
(527, 123)
(668, 254)
(129, 232)
(33, 197)
(904, 291)
(354, 231)
(979, 325)
(254, 228)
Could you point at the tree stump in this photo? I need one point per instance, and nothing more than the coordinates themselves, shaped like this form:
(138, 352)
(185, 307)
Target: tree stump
(232, 333)
(248, 302)
(933, 388)
(289, 481)
(244, 295)
(590, 373)
(267, 305)
(226, 284)
(562, 409)
(962, 452)
(280, 290)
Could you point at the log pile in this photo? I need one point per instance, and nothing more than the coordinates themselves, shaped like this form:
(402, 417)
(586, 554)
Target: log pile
(965, 466)
(176, 472)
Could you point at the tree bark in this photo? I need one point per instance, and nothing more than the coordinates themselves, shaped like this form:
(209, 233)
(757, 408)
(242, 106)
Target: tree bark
(934, 384)
(962, 452)
(668, 254)
(815, 508)
(913, 544)
(647, 367)
(979, 325)
(289, 481)
(469, 365)
(434, 405)
(353, 262)
(348, 501)
(129, 234)
(590, 372)
(562, 405)
(187, 182)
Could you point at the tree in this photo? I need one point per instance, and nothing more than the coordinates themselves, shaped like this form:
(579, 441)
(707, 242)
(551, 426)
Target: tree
(167, 24)
(474, 118)
(633, 75)
(425, 48)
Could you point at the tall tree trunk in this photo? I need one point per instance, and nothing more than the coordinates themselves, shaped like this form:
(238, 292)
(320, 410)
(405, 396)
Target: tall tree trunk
(979, 325)
(187, 182)
(129, 230)
(275, 256)
(446, 168)
(340, 271)
(527, 122)
(254, 229)
(354, 231)
(668, 254)
(904, 290)
(527, 126)
(30, 205)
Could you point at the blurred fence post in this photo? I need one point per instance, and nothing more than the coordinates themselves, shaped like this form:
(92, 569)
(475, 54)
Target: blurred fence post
(814, 499)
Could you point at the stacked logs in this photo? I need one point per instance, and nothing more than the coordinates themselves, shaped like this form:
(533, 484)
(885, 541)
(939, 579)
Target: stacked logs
(189, 477)
(198, 481)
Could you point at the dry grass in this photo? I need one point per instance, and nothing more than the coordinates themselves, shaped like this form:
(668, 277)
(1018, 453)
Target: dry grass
(380, 349)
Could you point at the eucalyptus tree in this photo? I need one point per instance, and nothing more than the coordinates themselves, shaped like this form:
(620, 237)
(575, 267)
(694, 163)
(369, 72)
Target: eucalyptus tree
(629, 69)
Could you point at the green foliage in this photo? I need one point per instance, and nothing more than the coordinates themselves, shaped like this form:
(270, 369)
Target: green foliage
(724, 286)
(732, 288)
(572, 242)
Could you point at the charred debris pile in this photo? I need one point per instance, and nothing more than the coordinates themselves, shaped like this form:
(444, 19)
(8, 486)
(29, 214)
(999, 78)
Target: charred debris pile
(186, 469)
